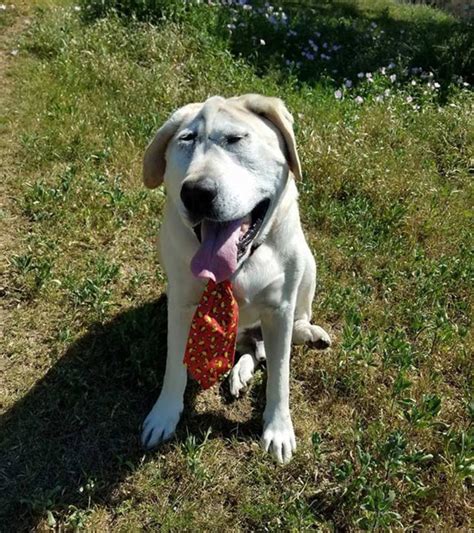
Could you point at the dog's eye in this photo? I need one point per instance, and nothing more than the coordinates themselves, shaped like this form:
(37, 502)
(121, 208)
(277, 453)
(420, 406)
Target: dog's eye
(188, 136)
(233, 139)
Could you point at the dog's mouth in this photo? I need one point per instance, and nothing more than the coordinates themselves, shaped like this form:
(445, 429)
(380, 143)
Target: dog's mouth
(225, 244)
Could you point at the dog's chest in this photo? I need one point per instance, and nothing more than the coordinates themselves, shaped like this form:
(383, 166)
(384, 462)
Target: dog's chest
(258, 287)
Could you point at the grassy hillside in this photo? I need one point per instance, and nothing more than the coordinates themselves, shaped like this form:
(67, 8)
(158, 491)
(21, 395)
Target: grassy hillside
(382, 100)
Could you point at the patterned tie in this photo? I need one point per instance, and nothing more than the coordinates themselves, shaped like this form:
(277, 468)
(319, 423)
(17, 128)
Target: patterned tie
(210, 348)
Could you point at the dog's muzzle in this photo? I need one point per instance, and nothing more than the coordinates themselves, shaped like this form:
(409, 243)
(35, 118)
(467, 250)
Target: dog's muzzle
(198, 196)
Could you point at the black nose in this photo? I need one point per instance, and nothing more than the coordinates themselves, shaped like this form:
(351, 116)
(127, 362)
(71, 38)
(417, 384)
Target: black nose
(197, 196)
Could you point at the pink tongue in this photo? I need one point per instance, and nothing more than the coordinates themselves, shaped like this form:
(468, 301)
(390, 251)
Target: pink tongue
(216, 258)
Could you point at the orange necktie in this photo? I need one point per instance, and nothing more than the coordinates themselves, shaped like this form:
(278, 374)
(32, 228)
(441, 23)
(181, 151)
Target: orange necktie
(210, 348)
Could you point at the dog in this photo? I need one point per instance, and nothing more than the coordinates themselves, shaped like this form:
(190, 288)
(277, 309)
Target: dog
(234, 162)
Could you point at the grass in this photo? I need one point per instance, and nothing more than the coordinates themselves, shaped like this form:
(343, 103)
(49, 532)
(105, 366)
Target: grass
(384, 419)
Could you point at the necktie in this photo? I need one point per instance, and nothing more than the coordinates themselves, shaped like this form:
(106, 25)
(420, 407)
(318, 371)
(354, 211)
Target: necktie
(210, 348)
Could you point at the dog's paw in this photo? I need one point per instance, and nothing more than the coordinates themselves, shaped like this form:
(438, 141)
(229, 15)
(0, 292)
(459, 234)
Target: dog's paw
(160, 424)
(314, 336)
(241, 374)
(279, 438)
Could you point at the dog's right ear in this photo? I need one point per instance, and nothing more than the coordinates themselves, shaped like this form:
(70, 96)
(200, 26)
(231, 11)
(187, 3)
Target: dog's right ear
(154, 160)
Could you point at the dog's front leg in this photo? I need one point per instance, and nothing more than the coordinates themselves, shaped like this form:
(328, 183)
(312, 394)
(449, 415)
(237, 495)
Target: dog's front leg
(161, 422)
(278, 435)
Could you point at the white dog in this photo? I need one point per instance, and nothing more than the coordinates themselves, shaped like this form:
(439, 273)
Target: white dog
(230, 163)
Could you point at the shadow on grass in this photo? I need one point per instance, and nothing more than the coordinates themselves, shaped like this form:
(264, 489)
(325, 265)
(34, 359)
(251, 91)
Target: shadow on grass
(335, 40)
(326, 40)
(80, 424)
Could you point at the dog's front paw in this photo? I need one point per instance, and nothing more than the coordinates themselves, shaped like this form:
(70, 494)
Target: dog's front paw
(161, 422)
(279, 438)
(241, 374)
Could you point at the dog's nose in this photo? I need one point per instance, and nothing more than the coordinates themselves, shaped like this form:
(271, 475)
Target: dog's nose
(197, 196)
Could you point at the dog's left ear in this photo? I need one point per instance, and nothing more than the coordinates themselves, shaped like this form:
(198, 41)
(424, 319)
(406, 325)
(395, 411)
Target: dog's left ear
(274, 110)
(154, 160)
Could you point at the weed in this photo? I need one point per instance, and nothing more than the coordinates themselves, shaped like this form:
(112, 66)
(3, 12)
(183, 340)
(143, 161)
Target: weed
(193, 452)
(94, 292)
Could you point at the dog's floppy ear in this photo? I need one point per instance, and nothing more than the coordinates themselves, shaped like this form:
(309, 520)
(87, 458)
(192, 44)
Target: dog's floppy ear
(274, 110)
(154, 160)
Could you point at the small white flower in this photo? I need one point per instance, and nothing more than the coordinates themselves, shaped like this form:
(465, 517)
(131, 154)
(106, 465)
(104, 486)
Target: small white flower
(348, 84)
(338, 94)
(379, 98)
(360, 75)
(383, 70)
(413, 82)
(262, 42)
(77, 8)
(14, 52)
(391, 66)
(436, 85)
(3, 7)
(368, 75)
(373, 24)
(465, 84)
(231, 27)
(393, 78)
(409, 99)
(358, 99)
(386, 92)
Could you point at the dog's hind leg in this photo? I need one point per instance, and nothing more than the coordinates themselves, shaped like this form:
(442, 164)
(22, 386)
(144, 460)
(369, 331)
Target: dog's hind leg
(253, 353)
(303, 331)
(242, 373)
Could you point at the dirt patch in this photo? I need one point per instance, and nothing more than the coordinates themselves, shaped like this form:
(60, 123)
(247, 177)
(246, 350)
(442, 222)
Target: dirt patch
(9, 219)
(11, 224)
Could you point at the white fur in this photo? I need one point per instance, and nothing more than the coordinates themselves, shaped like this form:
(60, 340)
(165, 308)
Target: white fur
(274, 285)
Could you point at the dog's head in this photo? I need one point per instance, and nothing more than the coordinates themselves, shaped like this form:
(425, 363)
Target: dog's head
(225, 164)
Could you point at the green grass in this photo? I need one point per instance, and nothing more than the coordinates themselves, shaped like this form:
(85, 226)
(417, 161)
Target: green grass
(383, 419)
